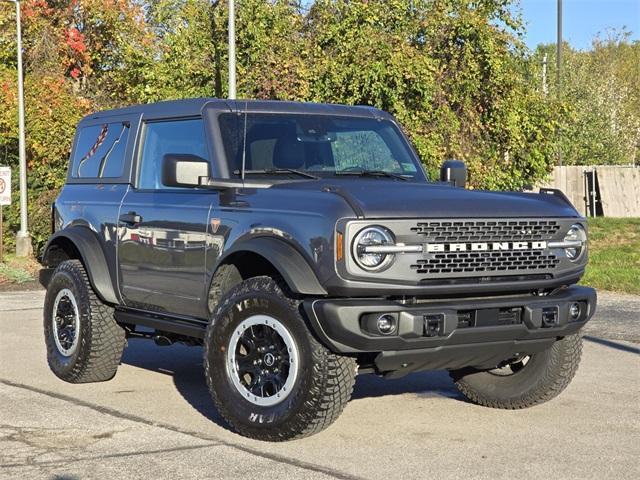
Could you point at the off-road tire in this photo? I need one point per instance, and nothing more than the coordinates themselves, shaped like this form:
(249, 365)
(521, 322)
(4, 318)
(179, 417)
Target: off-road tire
(101, 340)
(322, 388)
(545, 375)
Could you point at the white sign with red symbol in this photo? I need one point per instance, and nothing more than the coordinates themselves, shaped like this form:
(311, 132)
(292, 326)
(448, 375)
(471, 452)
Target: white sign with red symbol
(5, 186)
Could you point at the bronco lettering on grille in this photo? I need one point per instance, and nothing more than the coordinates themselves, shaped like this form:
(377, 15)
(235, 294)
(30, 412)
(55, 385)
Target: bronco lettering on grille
(484, 246)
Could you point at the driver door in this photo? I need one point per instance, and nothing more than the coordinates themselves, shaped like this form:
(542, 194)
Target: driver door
(163, 230)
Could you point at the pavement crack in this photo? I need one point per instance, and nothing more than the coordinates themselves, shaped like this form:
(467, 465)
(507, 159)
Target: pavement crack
(67, 461)
(209, 438)
(9, 310)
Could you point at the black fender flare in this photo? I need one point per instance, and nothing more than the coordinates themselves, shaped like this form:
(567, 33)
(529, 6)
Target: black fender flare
(286, 259)
(91, 255)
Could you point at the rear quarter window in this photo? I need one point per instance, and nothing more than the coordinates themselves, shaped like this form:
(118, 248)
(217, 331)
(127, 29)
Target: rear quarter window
(100, 151)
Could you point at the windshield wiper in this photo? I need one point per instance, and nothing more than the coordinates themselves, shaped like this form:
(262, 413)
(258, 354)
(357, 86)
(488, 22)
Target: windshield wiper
(372, 173)
(277, 171)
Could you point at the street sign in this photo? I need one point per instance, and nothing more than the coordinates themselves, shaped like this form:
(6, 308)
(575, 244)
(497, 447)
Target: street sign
(5, 186)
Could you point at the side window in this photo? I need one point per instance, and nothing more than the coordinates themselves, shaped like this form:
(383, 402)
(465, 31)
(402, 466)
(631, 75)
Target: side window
(161, 138)
(100, 151)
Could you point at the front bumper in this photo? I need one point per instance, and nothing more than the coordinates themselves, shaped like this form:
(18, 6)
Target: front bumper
(479, 332)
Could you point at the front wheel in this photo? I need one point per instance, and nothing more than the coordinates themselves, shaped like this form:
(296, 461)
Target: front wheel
(268, 375)
(523, 382)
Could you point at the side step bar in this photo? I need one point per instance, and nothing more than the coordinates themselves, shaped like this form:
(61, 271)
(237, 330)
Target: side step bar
(165, 323)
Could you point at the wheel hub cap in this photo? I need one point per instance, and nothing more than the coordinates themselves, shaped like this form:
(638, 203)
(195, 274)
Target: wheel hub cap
(262, 360)
(66, 322)
(269, 360)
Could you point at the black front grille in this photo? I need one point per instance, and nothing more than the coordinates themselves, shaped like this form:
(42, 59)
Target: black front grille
(485, 230)
(500, 261)
(490, 317)
(509, 316)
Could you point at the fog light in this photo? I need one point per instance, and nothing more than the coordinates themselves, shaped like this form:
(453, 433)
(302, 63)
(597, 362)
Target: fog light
(575, 311)
(386, 324)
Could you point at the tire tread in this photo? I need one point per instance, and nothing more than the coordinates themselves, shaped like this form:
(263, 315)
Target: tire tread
(333, 377)
(105, 339)
(563, 363)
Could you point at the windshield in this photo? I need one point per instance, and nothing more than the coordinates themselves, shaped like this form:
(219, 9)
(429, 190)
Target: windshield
(321, 145)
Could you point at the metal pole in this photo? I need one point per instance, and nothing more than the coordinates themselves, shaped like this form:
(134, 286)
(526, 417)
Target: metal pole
(1, 236)
(545, 89)
(594, 194)
(559, 68)
(23, 241)
(559, 51)
(232, 49)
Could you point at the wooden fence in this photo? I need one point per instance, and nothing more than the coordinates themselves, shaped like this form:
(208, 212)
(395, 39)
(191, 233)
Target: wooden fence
(599, 190)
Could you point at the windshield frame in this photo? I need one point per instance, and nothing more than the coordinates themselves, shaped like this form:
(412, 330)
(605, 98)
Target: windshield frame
(230, 168)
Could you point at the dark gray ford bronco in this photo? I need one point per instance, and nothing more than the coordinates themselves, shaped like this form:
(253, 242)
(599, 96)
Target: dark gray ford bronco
(301, 244)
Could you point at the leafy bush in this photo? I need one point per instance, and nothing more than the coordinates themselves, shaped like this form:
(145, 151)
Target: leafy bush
(455, 74)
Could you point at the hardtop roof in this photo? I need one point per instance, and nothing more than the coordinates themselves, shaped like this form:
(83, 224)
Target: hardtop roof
(195, 106)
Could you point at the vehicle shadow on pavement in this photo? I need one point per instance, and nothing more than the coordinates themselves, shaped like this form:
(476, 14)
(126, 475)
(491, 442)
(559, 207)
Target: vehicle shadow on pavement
(184, 364)
(435, 383)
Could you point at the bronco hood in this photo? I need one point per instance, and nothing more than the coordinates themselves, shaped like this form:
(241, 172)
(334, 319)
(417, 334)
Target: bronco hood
(384, 198)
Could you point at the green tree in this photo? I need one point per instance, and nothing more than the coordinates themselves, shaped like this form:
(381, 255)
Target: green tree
(452, 73)
(72, 53)
(601, 100)
(455, 74)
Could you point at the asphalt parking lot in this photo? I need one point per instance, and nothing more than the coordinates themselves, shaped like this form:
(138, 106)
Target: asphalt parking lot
(155, 419)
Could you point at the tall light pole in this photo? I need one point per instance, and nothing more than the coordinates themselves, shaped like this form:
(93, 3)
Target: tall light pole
(232, 49)
(559, 68)
(545, 88)
(559, 51)
(23, 239)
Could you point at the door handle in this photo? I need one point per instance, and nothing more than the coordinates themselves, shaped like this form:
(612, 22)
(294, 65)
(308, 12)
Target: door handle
(131, 218)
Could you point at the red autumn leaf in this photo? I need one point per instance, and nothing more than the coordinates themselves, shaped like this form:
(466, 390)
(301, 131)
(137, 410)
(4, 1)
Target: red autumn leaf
(75, 40)
(35, 8)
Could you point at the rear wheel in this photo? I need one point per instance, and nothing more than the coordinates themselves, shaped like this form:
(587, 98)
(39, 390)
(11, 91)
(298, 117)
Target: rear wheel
(525, 381)
(84, 342)
(268, 376)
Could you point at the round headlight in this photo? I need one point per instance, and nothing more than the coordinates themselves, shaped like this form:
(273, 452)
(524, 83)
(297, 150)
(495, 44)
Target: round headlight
(575, 234)
(370, 237)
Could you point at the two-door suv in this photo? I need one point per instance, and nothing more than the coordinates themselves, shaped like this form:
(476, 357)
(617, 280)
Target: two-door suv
(301, 244)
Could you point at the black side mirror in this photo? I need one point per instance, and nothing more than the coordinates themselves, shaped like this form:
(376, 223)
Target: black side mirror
(454, 172)
(183, 170)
